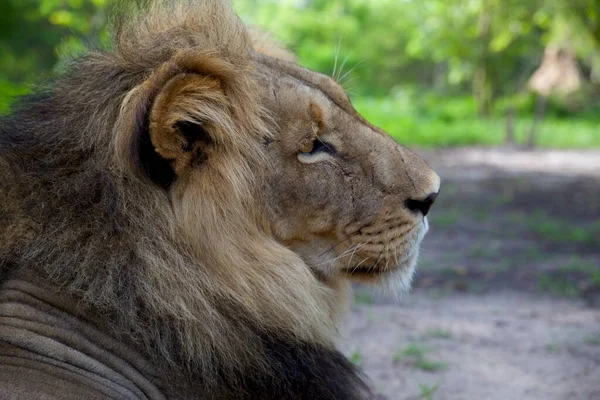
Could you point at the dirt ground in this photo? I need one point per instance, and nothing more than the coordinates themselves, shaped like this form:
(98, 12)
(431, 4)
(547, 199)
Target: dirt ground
(506, 304)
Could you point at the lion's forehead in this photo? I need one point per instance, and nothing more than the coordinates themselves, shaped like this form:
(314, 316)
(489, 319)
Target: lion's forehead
(277, 74)
(312, 81)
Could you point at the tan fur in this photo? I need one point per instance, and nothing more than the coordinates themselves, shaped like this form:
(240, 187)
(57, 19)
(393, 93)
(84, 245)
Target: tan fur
(252, 229)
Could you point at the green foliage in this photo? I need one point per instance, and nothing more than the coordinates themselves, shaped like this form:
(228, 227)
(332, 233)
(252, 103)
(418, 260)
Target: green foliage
(451, 121)
(8, 91)
(421, 69)
(36, 34)
(492, 46)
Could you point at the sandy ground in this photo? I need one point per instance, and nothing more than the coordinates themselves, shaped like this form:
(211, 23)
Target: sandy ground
(506, 304)
(504, 345)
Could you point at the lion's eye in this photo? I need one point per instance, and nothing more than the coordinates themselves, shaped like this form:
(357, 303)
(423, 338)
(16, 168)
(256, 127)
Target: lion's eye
(317, 146)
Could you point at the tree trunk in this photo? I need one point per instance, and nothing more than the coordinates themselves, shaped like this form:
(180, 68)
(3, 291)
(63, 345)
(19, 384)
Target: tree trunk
(540, 109)
(482, 84)
(440, 71)
(510, 127)
(482, 90)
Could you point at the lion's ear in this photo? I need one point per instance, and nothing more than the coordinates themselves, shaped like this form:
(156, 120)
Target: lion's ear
(183, 123)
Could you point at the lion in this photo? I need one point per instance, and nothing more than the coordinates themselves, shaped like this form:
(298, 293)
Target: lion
(183, 216)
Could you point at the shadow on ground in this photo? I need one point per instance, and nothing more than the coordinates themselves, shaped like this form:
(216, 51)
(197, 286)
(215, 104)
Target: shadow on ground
(532, 225)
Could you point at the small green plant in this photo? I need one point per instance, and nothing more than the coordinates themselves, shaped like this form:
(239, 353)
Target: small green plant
(571, 278)
(552, 348)
(593, 340)
(505, 198)
(557, 285)
(427, 391)
(454, 271)
(439, 333)
(461, 285)
(416, 355)
(480, 215)
(515, 217)
(480, 250)
(356, 357)
(430, 366)
(561, 231)
(588, 270)
(533, 253)
(413, 350)
(370, 316)
(363, 298)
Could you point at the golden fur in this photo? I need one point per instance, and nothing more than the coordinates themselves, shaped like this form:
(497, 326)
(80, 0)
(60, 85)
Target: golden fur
(251, 233)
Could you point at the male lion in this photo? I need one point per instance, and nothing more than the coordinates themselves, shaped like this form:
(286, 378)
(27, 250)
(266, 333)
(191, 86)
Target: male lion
(181, 218)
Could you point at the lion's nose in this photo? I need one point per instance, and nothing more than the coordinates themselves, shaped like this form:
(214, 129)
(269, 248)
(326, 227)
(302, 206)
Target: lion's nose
(422, 206)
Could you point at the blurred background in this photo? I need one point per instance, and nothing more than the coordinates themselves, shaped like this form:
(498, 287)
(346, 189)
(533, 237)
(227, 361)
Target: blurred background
(502, 97)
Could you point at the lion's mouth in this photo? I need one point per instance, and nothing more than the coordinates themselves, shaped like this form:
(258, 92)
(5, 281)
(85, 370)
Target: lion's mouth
(364, 271)
(375, 271)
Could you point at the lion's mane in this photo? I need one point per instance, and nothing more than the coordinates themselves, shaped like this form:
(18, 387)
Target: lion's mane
(83, 209)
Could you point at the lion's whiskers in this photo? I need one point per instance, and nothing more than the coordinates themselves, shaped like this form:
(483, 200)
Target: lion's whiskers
(337, 55)
(351, 256)
(353, 235)
(345, 253)
(358, 64)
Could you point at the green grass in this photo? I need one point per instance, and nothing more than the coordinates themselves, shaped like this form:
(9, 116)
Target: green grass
(356, 357)
(417, 356)
(564, 232)
(363, 298)
(586, 269)
(593, 340)
(427, 391)
(557, 285)
(559, 230)
(412, 350)
(446, 218)
(439, 333)
(444, 125)
(571, 278)
(552, 348)
(483, 250)
(533, 253)
(480, 215)
(430, 366)
(454, 271)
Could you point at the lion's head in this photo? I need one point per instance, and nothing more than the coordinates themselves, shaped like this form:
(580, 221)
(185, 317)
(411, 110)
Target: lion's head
(200, 193)
(341, 193)
(331, 187)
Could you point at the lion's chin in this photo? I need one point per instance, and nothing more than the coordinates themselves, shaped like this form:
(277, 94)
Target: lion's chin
(391, 281)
